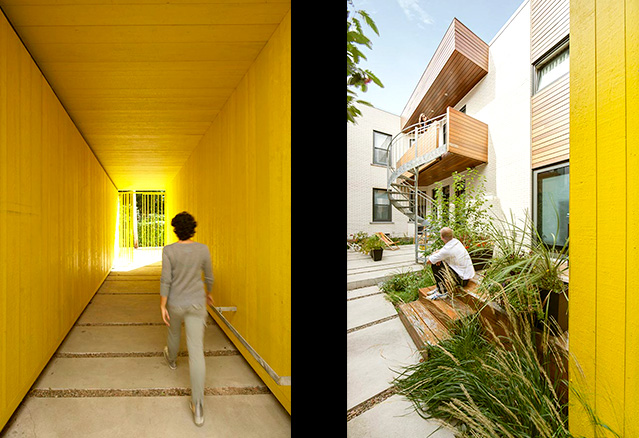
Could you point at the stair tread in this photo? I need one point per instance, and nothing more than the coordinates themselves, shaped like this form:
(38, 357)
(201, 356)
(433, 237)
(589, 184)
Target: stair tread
(420, 335)
(434, 325)
(445, 310)
(427, 327)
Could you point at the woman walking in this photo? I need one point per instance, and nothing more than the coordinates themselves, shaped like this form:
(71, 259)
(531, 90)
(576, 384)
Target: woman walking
(183, 299)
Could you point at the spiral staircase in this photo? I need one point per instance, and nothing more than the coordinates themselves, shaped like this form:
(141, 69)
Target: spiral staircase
(405, 158)
(427, 152)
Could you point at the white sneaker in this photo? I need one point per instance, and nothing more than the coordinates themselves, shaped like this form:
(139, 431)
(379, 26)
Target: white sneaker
(432, 293)
(172, 365)
(198, 413)
(438, 296)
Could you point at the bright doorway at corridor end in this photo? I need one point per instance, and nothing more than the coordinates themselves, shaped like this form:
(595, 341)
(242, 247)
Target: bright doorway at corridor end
(141, 233)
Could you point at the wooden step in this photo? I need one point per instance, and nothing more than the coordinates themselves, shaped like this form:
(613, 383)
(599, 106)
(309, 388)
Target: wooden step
(422, 326)
(446, 310)
(468, 301)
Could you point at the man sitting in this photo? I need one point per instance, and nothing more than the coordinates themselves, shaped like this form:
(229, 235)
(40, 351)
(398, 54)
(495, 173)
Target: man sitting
(451, 265)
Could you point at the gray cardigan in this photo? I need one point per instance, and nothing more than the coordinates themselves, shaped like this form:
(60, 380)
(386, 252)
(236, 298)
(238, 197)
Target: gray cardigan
(182, 268)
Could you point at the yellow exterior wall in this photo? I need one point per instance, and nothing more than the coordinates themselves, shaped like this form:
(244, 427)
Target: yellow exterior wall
(604, 203)
(57, 222)
(237, 184)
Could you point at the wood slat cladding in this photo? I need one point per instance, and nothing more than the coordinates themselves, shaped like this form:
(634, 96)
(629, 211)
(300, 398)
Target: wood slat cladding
(551, 124)
(467, 147)
(460, 61)
(240, 170)
(144, 79)
(467, 136)
(444, 167)
(58, 211)
(549, 24)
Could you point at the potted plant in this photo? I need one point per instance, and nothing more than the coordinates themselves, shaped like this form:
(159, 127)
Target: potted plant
(480, 249)
(374, 246)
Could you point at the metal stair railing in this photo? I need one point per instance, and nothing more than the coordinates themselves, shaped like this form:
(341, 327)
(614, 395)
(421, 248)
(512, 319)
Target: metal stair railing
(403, 172)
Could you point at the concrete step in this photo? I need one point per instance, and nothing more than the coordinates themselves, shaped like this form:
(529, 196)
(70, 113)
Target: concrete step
(145, 270)
(143, 373)
(102, 417)
(110, 373)
(132, 277)
(135, 339)
(123, 308)
(130, 286)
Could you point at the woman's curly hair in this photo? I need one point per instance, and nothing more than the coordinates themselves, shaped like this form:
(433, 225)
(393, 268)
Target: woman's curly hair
(184, 225)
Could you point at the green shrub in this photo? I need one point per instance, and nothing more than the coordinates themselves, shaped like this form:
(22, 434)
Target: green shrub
(372, 242)
(488, 386)
(466, 212)
(522, 266)
(404, 286)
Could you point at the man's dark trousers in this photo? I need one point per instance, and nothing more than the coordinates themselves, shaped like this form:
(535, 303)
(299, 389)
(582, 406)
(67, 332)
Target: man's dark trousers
(440, 271)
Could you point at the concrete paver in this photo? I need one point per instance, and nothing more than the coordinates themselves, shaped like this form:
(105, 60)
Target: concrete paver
(362, 271)
(362, 291)
(375, 355)
(108, 378)
(368, 309)
(119, 417)
(130, 286)
(123, 308)
(378, 348)
(395, 418)
(134, 339)
(143, 373)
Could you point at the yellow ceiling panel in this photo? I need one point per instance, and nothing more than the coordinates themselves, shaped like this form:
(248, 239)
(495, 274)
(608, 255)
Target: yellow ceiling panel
(148, 34)
(144, 79)
(34, 13)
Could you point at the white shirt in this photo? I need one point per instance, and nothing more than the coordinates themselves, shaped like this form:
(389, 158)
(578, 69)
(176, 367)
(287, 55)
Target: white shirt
(456, 256)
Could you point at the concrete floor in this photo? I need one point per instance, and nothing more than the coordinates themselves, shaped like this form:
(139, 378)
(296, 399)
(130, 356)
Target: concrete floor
(378, 347)
(108, 378)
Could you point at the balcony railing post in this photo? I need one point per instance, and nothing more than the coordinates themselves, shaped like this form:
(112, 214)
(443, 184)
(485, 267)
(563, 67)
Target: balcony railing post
(416, 209)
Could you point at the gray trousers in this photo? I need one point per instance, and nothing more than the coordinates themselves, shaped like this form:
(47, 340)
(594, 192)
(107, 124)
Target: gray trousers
(194, 318)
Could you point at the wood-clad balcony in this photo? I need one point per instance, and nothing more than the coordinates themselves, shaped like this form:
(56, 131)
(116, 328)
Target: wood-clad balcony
(458, 64)
(451, 142)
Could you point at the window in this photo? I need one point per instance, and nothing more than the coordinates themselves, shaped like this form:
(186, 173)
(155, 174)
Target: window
(444, 133)
(445, 203)
(381, 206)
(380, 148)
(441, 203)
(552, 67)
(551, 206)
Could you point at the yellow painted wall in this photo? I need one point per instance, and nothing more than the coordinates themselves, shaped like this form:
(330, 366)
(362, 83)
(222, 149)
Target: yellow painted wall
(57, 222)
(604, 204)
(237, 184)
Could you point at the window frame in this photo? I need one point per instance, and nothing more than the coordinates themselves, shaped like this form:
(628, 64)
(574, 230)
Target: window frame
(390, 137)
(390, 207)
(535, 198)
(544, 60)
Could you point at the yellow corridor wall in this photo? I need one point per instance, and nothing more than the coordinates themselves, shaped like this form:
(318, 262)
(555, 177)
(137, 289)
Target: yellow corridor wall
(57, 222)
(604, 216)
(237, 184)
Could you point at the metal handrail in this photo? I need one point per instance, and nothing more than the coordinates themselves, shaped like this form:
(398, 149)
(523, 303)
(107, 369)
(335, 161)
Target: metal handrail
(397, 147)
(401, 143)
(280, 380)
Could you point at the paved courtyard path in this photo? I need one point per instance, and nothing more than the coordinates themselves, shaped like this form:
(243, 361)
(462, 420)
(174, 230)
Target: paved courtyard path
(109, 378)
(378, 346)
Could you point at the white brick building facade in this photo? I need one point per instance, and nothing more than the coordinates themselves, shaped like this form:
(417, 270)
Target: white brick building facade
(363, 175)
